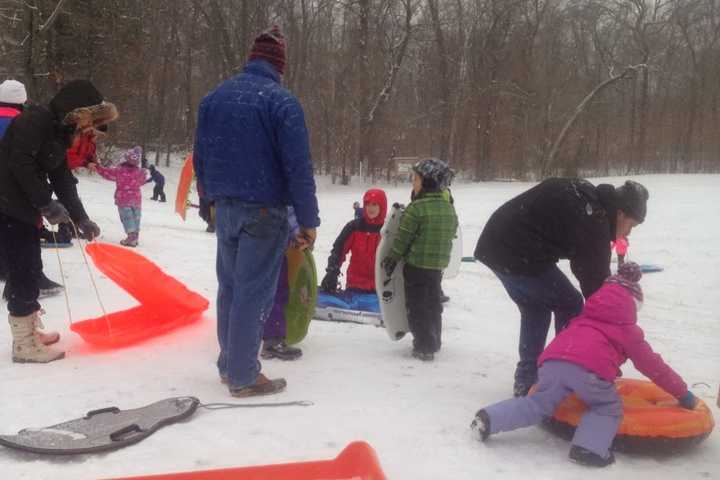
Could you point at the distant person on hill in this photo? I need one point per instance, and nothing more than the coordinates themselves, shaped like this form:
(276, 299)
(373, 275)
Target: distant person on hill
(159, 188)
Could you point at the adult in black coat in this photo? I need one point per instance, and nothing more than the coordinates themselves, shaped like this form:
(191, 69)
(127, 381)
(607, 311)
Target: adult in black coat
(526, 237)
(32, 166)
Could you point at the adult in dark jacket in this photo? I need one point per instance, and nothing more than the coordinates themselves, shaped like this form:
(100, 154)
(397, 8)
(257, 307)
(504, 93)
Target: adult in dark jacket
(360, 238)
(159, 179)
(527, 236)
(32, 166)
(252, 158)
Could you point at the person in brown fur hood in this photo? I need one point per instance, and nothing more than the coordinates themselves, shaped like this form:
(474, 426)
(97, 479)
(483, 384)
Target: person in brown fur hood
(32, 167)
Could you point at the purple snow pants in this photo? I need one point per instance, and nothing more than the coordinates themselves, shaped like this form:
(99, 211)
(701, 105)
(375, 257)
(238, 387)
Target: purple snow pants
(276, 325)
(558, 379)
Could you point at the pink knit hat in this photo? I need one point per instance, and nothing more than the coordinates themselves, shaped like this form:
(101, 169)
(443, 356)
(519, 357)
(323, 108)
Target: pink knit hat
(133, 156)
(629, 274)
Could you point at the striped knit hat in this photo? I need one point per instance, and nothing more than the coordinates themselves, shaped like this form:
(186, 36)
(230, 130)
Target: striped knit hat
(629, 274)
(270, 46)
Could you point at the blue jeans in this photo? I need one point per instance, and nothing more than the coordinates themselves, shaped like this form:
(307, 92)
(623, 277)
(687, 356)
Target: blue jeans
(251, 244)
(538, 298)
(558, 379)
(130, 218)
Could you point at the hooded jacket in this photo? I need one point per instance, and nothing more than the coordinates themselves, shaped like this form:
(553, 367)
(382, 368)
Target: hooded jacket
(605, 335)
(360, 238)
(558, 218)
(33, 152)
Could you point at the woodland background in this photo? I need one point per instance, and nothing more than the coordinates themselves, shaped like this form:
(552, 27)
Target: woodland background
(488, 85)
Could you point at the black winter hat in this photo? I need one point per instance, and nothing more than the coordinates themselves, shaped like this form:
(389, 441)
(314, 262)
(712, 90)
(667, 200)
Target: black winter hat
(75, 94)
(632, 199)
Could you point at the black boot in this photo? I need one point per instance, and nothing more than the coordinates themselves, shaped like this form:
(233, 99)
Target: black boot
(584, 456)
(481, 425)
(48, 288)
(280, 350)
(423, 356)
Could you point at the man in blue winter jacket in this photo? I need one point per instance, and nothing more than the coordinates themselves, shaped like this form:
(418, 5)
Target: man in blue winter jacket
(252, 158)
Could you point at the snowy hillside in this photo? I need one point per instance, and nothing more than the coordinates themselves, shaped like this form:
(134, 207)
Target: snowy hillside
(363, 386)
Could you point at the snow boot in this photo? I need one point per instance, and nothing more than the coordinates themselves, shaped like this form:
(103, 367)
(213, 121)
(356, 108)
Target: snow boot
(27, 347)
(262, 386)
(481, 425)
(275, 348)
(423, 356)
(583, 456)
(46, 338)
(131, 240)
(48, 288)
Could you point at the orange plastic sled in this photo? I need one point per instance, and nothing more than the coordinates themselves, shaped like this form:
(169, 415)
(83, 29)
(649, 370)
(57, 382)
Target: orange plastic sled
(165, 303)
(183, 189)
(357, 461)
(652, 418)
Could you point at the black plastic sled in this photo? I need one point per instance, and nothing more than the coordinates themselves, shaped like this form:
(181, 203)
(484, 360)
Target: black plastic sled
(102, 430)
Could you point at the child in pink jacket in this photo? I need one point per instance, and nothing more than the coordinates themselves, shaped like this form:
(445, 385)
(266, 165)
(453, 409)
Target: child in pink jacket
(129, 177)
(585, 358)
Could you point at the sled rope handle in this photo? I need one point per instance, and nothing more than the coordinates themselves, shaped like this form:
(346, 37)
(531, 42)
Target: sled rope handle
(89, 270)
(223, 406)
(62, 278)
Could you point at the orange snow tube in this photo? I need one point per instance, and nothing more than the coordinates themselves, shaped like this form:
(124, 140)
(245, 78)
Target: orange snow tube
(165, 303)
(652, 419)
(357, 461)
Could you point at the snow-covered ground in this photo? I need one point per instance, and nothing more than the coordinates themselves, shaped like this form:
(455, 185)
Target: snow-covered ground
(363, 386)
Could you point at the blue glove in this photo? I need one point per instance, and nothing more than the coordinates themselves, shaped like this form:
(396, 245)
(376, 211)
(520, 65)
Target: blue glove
(688, 401)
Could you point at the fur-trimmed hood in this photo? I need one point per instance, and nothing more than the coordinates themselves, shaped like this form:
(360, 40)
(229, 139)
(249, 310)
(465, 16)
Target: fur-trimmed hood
(79, 103)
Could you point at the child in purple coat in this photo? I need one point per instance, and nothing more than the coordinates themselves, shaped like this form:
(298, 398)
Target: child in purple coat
(129, 177)
(585, 358)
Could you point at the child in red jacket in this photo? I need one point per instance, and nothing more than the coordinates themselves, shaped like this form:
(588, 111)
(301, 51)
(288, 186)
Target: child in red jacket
(360, 238)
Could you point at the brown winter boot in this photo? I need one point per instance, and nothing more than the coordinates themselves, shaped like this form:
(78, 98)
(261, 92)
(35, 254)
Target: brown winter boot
(27, 347)
(131, 240)
(262, 386)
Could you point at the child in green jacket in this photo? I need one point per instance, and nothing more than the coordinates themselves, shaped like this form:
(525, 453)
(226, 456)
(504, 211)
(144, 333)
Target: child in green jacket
(424, 240)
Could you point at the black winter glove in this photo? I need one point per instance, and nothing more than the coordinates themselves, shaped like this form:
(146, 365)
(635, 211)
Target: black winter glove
(88, 229)
(55, 212)
(388, 264)
(329, 283)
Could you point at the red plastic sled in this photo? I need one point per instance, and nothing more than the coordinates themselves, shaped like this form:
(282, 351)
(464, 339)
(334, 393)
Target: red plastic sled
(357, 461)
(165, 303)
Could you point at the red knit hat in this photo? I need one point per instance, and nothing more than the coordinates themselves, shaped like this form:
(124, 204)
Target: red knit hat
(270, 46)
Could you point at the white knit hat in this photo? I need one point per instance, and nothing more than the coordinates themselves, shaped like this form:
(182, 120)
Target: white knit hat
(13, 92)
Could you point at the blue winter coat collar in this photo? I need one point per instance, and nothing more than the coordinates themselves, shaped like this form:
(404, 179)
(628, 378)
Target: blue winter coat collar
(262, 68)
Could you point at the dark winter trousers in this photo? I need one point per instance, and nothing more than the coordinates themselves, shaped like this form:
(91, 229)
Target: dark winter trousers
(558, 379)
(3, 266)
(20, 243)
(537, 299)
(276, 323)
(159, 192)
(424, 308)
